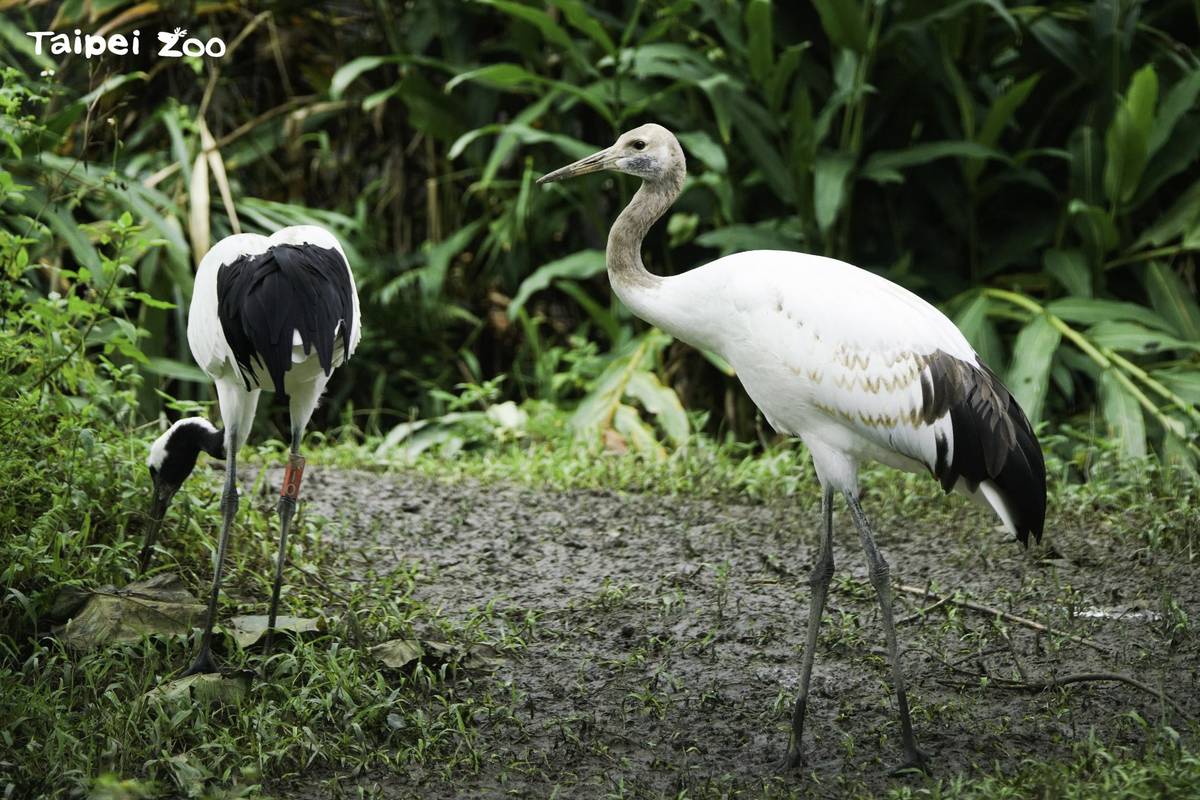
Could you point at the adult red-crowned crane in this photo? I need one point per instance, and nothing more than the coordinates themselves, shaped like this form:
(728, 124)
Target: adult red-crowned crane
(277, 313)
(855, 366)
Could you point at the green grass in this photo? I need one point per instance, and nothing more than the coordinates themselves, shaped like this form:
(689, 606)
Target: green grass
(74, 723)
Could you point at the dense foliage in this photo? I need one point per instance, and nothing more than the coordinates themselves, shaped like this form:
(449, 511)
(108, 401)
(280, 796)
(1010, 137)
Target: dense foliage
(1032, 168)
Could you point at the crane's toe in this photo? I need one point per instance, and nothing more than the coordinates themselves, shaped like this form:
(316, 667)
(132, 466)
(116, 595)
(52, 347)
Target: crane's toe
(915, 762)
(202, 665)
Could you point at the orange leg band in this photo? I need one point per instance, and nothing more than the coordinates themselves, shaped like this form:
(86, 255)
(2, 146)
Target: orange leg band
(293, 475)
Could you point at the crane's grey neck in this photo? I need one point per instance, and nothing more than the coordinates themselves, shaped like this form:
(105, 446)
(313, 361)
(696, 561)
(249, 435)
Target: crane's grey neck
(624, 254)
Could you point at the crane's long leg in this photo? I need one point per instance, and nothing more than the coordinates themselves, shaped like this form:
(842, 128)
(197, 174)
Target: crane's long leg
(880, 574)
(229, 505)
(289, 494)
(819, 580)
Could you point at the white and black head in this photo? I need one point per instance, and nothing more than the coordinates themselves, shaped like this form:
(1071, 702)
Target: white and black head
(173, 457)
(650, 152)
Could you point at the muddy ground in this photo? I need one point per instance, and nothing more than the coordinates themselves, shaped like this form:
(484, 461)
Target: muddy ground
(667, 632)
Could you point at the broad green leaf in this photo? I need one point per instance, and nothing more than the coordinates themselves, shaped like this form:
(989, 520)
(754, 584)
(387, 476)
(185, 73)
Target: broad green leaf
(1176, 156)
(998, 117)
(759, 38)
(1178, 221)
(544, 23)
(780, 77)
(1173, 300)
(582, 19)
(350, 71)
(579, 266)
(1033, 354)
(1089, 311)
(885, 166)
(1179, 100)
(662, 402)
(973, 321)
(1122, 415)
(702, 146)
(636, 432)
(601, 315)
(1183, 382)
(1127, 140)
(768, 235)
(1069, 268)
(438, 257)
(844, 23)
(1095, 227)
(170, 368)
(1063, 43)
(499, 76)
(1132, 337)
(830, 175)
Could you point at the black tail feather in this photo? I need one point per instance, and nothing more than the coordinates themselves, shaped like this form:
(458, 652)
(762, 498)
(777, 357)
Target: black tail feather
(992, 441)
(263, 298)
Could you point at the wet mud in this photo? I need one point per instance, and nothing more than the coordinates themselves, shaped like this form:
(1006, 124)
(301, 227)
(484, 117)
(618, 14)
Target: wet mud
(662, 637)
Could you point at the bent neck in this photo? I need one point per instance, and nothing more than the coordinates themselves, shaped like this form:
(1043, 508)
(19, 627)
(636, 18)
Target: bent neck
(628, 274)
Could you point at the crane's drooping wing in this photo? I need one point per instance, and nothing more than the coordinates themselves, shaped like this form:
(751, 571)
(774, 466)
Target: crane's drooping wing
(261, 304)
(884, 364)
(206, 338)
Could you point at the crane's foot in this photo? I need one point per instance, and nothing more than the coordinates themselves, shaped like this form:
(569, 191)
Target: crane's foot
(202, 665)
(791, 762)
(915, 762)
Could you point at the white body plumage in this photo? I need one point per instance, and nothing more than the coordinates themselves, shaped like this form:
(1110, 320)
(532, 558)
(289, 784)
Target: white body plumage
(305, 380)
(830, 353)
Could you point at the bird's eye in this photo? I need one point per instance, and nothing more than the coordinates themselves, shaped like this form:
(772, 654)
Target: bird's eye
(639, 145)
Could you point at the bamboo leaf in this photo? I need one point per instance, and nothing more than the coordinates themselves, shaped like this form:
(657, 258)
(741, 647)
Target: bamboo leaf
(997, 119)
(760, 35)
(1179, 100)
(1122, 415)
(702, 146)
(1033, 354)
(500, 76)
(973, 321)
(1127, 140)
(578, 266)
(350, 71)
(1178, 221)
(1172, 299)
(830, 174)
(844, 23)
(1089, 311)
(1069, 268)
(1132, 337)
(885, 166)
(582, 19)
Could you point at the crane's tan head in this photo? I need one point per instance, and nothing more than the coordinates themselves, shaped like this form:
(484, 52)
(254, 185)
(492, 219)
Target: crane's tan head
(650, 152)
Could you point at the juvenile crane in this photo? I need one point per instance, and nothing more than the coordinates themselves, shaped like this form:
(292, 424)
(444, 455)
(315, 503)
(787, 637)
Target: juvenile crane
(855, 366)
(277, 313)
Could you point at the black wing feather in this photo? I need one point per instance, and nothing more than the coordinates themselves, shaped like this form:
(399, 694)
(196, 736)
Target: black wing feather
(262, 298)
(992, 439)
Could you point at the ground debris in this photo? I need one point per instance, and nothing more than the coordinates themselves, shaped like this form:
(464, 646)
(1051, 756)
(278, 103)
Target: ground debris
(157, 606)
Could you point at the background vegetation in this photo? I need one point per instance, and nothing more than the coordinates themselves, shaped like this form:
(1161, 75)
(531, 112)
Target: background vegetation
(1030, 168)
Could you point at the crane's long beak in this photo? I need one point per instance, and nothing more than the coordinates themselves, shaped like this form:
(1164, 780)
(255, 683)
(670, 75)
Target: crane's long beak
(593, 163)
(158, 510)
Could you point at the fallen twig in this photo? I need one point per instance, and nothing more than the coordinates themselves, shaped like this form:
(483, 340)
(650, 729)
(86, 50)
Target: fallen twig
(1082, 677)
(1028, 623)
